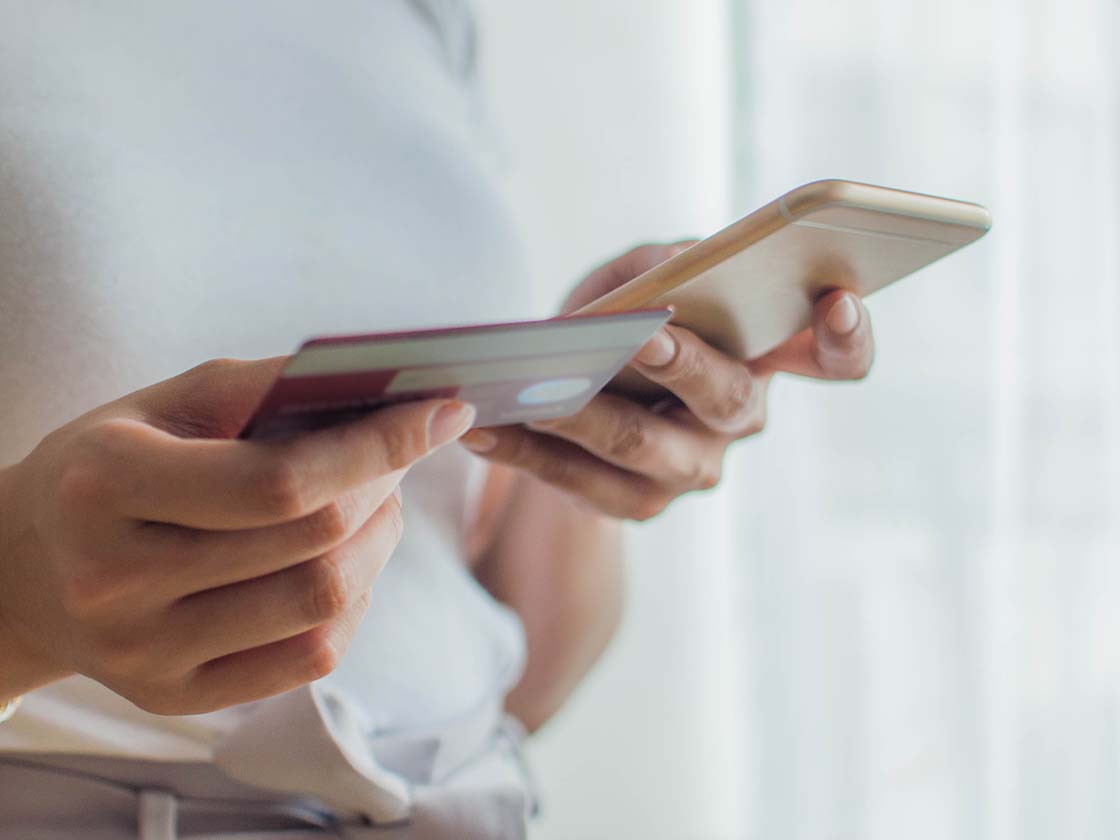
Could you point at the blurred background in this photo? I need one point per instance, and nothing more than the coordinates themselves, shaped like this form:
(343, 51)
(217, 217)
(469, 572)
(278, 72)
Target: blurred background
(899, 616)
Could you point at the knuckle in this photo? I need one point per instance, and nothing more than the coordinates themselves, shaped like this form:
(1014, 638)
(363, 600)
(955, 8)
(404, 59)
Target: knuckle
(756, 420)
(112, 439)
(330, 525)
(213, 369)
(281, 488)
(100, 465)
(736, 403)
(328, 589)
(94, 591)
(630, 438)
(402, 443)
(81, 484)
(394, 518)
(100, 451)
(364, 600)
(204, 414)
(111, 432)
(756, 424)
(548, 465)
(648, 506)
(322, 654)
(707, 475)
(522, 450)
(556, 470)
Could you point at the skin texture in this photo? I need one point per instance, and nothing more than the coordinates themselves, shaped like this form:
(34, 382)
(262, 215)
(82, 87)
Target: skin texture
(188, 571)
(553, 555)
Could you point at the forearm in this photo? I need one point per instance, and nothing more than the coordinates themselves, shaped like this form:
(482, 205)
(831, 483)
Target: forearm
(559, 566)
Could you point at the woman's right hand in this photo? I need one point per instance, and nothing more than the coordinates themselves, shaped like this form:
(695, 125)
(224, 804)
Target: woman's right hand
(143, 546)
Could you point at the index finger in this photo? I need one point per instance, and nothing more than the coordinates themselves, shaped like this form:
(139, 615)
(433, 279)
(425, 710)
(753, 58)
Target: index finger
(719, 390)
(234, 484)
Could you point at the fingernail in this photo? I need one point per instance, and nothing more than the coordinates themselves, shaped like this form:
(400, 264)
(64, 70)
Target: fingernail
(449, 423)
(397, 493)
(844, 316)
(658, 351)
(479, 440)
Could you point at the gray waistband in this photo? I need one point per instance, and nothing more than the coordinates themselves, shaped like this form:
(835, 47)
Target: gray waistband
(68, 796)
(297, 765)
(65, 797)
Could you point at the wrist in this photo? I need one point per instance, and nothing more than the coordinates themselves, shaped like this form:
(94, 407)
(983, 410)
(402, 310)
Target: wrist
(22, 670)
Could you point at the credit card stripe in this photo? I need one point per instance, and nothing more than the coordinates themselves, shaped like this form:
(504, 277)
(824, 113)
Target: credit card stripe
(503, 370)
(550, 338)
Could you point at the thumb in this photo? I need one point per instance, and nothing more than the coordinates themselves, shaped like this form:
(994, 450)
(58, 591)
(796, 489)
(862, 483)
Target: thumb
(394, 437)
(213, 400)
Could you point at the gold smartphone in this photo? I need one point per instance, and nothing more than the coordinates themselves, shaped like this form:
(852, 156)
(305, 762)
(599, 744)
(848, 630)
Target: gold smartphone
(752, 286)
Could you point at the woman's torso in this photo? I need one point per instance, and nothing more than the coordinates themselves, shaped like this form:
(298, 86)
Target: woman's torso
(187, 180)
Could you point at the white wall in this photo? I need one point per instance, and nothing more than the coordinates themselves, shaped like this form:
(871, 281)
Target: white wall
(617, 120)
(908, 628)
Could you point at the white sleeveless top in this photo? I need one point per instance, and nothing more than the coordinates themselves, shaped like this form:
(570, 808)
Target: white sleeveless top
(190, 179)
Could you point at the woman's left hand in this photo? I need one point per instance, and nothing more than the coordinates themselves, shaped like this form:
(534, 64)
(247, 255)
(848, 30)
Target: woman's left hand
(628, 460)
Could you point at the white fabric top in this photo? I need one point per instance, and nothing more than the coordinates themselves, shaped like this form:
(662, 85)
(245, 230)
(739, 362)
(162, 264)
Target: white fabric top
(190, 179)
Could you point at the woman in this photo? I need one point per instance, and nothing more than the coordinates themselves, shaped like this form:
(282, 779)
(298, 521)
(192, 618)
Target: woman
(193, 180)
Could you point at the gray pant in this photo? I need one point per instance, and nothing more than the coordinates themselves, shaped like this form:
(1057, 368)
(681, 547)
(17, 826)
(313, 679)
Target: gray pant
(293, 770)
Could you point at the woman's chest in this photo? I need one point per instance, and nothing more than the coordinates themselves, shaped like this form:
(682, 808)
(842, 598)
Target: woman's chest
(196, 181)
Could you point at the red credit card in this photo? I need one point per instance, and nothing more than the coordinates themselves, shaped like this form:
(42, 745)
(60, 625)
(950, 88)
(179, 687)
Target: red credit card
(511, 373)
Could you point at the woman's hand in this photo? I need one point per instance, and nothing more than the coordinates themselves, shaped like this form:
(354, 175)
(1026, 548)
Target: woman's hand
(628, 460)
(142, 546)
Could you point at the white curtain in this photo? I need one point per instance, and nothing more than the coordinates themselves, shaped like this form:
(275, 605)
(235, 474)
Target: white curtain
(900, 615)
(932, 561)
